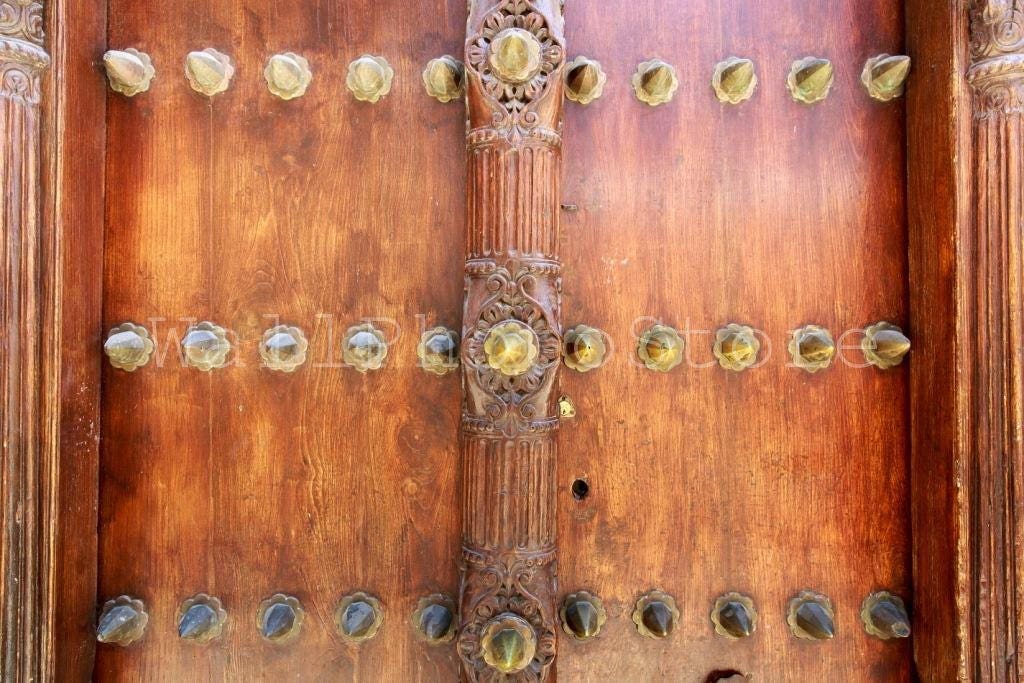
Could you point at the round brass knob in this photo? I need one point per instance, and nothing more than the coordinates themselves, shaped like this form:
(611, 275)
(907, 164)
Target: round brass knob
(514, 55)
(884, 345)
(209, 72)
(656, 615)
(206, 346)
(885, 616)
(811, 617)
(283, 348)
(584, 80)
(369, 78)
(280, 618)
(129, 71)
(583, 348)
(122, 621)
(508, 643)
(655, 82)
(810, 79)
(445, 78)
(583, 615)
(884, 76)
(736, 347)
(288, 75)
(364, 347)
(434, 619)
(438, 351)
(511, 348)
(812, 348)
(734, 616)
(359, 616)
(128, 347)
(660, 348)
(734, 80)
(201, 619)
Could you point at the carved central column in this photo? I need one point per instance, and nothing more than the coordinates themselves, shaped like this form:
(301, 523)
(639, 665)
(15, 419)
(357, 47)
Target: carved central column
(512, 339)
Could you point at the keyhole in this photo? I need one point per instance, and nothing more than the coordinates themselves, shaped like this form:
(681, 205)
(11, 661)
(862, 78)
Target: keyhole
(580, 489)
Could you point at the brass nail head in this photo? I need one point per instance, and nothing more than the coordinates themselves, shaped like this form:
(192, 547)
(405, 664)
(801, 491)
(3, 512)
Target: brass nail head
(584, 80)
(656, 615)
(583, 348)
(369, 78)
(511, 348)
(811, 617)
(201, 619)
(884, 76)
(734, 616)
(279, 618)
(122, 621)
(884, 345)
(283, 348)
(359, 617)
(129, 71)
(660, 348)
(438, 351)
(208, 71)
(885, 616)
(734, 80)
(655, 82)
(736, 347)
(515, 55)
(582, 615)
(364, 348)
(128, 347)
(810, 79)
(434, 619)
(812, 348)
(288, 75)
(445, 78)
(508, 643)
(206, 346)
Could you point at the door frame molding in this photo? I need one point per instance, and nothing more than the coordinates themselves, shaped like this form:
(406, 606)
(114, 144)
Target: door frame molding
(967, 469)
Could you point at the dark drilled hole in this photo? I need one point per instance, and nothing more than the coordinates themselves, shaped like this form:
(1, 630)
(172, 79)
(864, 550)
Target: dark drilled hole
(727, 675)
(580, 489)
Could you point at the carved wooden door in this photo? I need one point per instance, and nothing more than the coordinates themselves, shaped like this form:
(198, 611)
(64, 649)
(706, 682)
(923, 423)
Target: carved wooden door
(407, 309)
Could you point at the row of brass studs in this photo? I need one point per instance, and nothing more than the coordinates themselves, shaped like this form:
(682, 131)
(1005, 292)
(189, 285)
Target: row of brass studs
(810, 616)
(201, 619)
(288, 75)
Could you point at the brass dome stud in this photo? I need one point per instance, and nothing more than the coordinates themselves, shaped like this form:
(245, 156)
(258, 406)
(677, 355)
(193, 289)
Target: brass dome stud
(810, 616)
(438, 351)
(280, 618)
(584, 80)
(434, 619)
(128, 347)
(583, 348)
(208, 71)
(206, 346)
(445, 78)
(508, 643)
(364, 348)
(128, 71)
(283, 348)
(660, 348)
(812, 348)
(884, 345)
(511, 348)
(736, 347)
(885, 616)
(582, 614)
(359, 617)
(369, 78)
(734, 616)
(884, 76)
(514, 55)
(288, 75)
(656, 615)
(122, 621)
(655, 82)
(810, 79)
(201, 619)
(734, 80)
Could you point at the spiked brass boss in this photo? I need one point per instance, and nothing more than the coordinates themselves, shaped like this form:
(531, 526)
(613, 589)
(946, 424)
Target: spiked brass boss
(660, 348)
(122, 622)
(511, 348)
(515, 55)
(508, 643)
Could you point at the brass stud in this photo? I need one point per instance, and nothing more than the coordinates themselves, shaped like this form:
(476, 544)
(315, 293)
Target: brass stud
(128, 346)
(583, 348)
(508, 643)
(655, 82)
(566, 408)
(369, 78)
(434, 619)
(660, 348)
(885, 616)
(201, 619)
(359, 616)
(885, 75)
(734, 616)
(736, 347)
(445, 78)
(280, 618)
(122, 621)
(812, 348)
(438, 351)
(511, 348)
(364, 348)
(810, 79)
(582, 615)
(584, 80)
(656, 615)
(129, 71)
(288, 75)
(514, 55)
(884, 345)
(734, 80)
(206, 346)
(810, 616)
(208, 71)
(283, 348)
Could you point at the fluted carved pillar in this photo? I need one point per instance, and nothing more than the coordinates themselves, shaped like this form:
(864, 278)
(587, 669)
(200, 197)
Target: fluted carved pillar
(512, 339)
(24, 554)
(995, 307)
